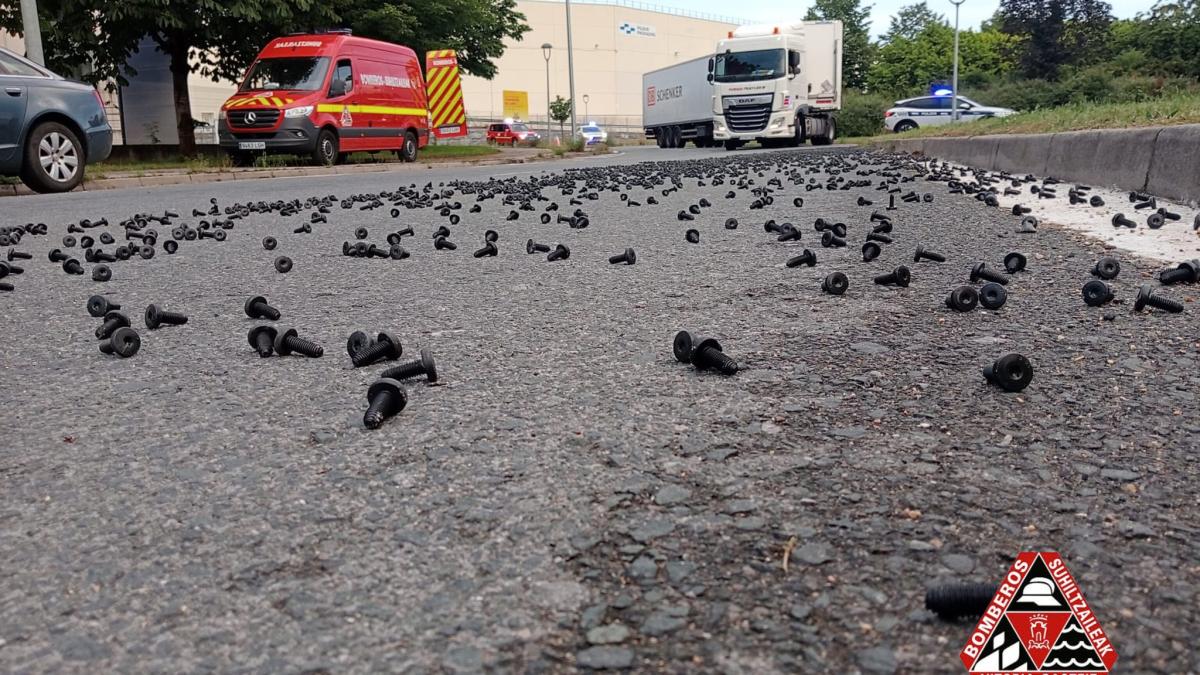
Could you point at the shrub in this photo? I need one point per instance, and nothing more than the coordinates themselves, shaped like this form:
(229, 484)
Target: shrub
(862, 114)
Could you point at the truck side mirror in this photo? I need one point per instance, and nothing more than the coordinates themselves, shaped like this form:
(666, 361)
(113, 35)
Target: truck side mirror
(710, 78)
(711, 65)
(794, 61)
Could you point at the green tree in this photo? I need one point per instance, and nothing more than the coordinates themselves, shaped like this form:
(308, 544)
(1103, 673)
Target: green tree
(910, 21)
(1170, 35)
(856, 44)
(560, 111)
(1056, 33)
(908, 66)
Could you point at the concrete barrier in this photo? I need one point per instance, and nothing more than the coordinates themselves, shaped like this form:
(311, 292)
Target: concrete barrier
(1158, 160)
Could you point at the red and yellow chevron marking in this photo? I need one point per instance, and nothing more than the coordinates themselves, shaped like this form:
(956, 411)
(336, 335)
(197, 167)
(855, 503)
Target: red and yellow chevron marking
(444, 88)
(267, 101)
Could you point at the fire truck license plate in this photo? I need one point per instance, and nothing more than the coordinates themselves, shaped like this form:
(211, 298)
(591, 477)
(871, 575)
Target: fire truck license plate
(252, 145)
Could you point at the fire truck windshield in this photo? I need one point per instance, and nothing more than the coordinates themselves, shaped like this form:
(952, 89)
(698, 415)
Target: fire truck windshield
(289, 74)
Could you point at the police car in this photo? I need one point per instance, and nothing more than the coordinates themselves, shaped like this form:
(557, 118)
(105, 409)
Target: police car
(931, 111)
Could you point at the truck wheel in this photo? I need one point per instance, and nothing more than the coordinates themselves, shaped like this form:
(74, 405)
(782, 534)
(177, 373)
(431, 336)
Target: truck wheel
(732, 145)
(660, 138)
(829, 136)
(326, 152)
(53, 159)
(798, 139)
(408, 151)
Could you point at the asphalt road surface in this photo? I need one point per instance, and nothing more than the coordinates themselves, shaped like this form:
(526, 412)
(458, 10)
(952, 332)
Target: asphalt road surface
(570, 496)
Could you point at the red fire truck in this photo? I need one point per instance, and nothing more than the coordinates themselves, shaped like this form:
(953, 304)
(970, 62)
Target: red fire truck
(325, 96)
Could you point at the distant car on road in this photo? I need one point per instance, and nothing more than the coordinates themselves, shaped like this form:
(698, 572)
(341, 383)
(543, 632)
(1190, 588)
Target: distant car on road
(511, 133)
(932, 111)
(50, 128)
(591, 134)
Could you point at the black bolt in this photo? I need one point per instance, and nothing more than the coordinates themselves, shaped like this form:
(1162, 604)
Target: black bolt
(98, 306)
(1146, 296)
(442, 231)
(512, 215)
(1096, 201)
(835, 283)
(1186, 272)
(1107, 268)
(682, 215)
(101, 273)
(8, 268)
(545, 217)
(704, 353)
(124, 342)
(863, 201)
(14, 254)
(386, 346)
(441, 243)
(560, 252)
(170, 246)
(1120, 220)
(491, 235)
(156, 317)
(1014, 262)
(993, 295)
(532, 247)
(1011, 372)
(806, 257)
(6, 287)
(1096, 293)
(262, 339)
(112, 321)
(870, 251)
(922, 254)
(980, 271)
(1155, 220)
(1150, 203)
(772, 227)
(570, 220)
(1168, 214)
(385, 398)
(423, 366)
(891, 202)
(879, 237)
(57, 255)
(398, 252)
(963, 299)
(306, 228)
(357, 341)
(787, 232)
(72, 266)
(489, 249)
(257, 308)
(952, 602)
(831, 240)
(376, 252)
(283, 264)
(287, 342)
(797, 202)
(897, 277)
(877, 217)
(628, 257)
(1028, 225)
(838, 229)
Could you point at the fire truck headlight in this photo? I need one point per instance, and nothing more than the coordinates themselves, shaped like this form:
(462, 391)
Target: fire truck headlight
(299, 111)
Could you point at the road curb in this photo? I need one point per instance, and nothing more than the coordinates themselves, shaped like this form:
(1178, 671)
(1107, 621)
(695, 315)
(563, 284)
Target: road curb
(159, 180)
(1157, 160)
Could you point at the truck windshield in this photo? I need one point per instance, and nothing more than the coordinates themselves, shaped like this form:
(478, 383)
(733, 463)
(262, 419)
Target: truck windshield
(763, 64)
(294, 74)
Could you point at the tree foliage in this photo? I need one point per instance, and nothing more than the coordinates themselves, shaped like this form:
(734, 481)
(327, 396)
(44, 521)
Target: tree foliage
(1057, 33)
(910, 65)
(856, 45)
(910, 21)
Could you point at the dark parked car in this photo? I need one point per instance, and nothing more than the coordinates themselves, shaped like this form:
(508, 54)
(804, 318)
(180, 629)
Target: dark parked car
(49, 127)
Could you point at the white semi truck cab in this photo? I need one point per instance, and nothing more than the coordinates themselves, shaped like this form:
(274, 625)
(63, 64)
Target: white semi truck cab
(777, 84)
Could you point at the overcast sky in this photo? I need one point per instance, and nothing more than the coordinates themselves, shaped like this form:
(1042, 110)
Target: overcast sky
(972, 13)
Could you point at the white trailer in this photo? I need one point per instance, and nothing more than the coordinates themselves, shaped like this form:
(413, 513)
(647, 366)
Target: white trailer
(677, 104)
(777, 84)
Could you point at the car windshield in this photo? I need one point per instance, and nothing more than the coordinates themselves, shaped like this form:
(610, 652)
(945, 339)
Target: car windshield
(291, 74)
(520, 127)
(764, 64)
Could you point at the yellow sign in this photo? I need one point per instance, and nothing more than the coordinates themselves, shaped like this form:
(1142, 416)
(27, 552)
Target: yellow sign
(516, 104)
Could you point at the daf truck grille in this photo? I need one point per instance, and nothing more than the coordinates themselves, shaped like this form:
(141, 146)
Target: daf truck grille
(747, 114)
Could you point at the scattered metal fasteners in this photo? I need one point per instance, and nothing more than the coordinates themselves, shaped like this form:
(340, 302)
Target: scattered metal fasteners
(170, 247)
(1120, 220)
(491, 235)
(1011, 372)
(922, 254)
(897, 277)
(959, 601)
(692, 236)
(1155, 220)
(1015, 262)
(112, 321)
(1097, 293)
(806, 257)
(731, 223)
(124, 342)
(156, 317)
(14, 254)
(72, 266)
(1107, 268)
(963, 299)
(361, 233)
(422, 366)
(385, 398)
(287, 342)
(269, 243)
(442, 243)
(357, 341)
(98, 306)
(831, 240)
(835, 283)
(1187, 272)
(101, 273)
(532, 247)
(489, 250)
(629, 257)
(1147, 297)
(283, 264)
(1018, 210)
(262, 339)
(560, 252)
(386, 346)
(980, 271)
(993, 295)
(257, 308)
(703, 353)
(1028, 225)
(870, 251)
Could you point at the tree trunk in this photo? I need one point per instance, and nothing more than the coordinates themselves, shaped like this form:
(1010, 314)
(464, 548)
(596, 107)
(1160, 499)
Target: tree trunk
(178, 49)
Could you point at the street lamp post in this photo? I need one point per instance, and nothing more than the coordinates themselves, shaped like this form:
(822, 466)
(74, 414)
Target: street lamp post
(546, 47)
(33, 32)
(954, 81)
(585, 108)
(571, 68)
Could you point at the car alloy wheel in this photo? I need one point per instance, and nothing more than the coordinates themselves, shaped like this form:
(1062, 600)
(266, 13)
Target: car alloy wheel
(58, 156)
